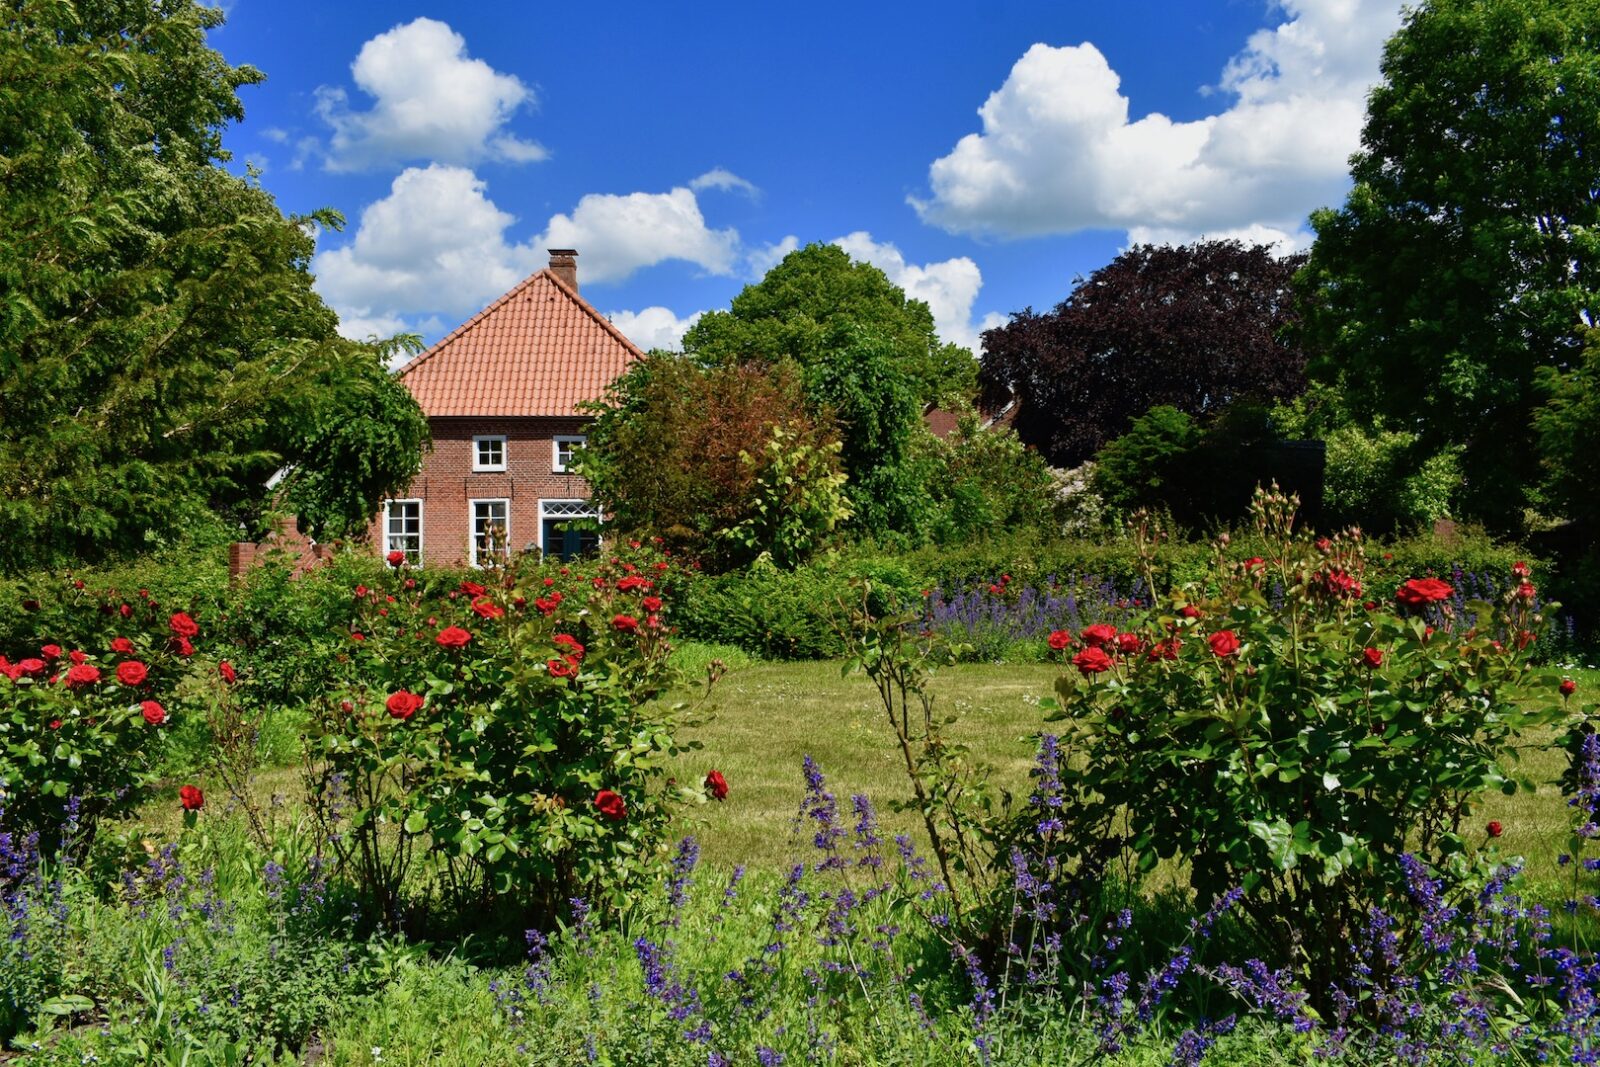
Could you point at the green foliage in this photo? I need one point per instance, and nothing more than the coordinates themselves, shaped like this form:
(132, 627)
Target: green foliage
(1150, 464)
(1568, 425)
(162, 352)
(1379, 479)
(689, 453)
(1259, 742)
(531, 716)
(1463, 260)
(796, 313)
(983, 482)
(796, 501)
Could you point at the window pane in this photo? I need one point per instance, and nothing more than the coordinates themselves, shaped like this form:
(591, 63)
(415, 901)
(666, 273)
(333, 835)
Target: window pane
(403, 529)
(489, 528)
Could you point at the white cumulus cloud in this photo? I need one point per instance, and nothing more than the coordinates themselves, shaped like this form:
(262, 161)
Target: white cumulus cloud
(949, 287)
(618, 234)
(654, 327)
(767, 256)
(1058, 151)
(430, 101)
(725, 180)
(438, 244)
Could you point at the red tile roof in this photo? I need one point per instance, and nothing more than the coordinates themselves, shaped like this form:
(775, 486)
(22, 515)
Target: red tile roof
(538, 350)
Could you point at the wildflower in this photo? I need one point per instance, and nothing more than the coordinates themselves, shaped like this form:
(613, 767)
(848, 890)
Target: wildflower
(131, 672)
(191, 798)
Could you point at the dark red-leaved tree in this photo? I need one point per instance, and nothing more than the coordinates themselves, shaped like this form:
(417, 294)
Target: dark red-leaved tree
(1195, 327)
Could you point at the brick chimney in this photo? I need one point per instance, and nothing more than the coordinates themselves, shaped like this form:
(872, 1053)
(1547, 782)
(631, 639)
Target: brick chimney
(564, 265)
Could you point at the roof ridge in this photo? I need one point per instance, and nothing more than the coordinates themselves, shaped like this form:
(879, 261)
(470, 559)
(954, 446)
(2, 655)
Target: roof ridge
(439, 345)
(609, 326)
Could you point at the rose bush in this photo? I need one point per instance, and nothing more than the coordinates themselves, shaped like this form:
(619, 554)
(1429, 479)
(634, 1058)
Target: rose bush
(1281, 728)
(83, 719)
(505, 731)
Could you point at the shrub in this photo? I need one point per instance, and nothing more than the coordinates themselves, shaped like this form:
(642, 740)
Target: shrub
(508, 729)
(1286, 729)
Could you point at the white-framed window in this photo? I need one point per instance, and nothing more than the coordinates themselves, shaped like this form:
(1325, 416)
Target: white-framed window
(564, 447)
(402, 529)
(556, 539)
(489, 452)
(491, 529)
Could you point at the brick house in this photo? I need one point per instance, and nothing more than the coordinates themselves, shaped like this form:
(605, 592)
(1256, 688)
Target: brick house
(500, 392)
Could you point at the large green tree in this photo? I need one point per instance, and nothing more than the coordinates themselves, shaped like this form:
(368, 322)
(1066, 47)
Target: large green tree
(162, 352)
(811, 299)
(1465, 258)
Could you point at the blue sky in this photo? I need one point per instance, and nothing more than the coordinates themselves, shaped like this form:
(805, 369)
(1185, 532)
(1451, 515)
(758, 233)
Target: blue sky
(983, 153)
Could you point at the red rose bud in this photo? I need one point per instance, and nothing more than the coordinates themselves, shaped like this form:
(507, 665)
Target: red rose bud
(403, 705)
(1495, 829)
(1373, 657)
(55, 724)
(452, 637)
(611, 805)
(1223, 643)
(131, 673)
(717, 785)
(191, 798)
(1092, 660)
(1060, 639)
(154, 713)
(358, 636)
(1568, 687)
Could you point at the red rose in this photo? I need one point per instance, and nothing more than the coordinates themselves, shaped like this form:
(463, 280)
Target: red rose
(473, 589)
(83, 674)
(226, 670)
(1060, 639)
(1189, 611)
(1526, 591)
(403, 705)
(632, 582)
(1223, 643)
(485, 608)
(358, 636)
(191, 798)
(1494, 828)
(1524, 639)
(396, 558)
(569, 642)
(1371, 605)
(127, 611)
(1373, 657)
(55, 724)
(1520, 570)
(183, 626)
(717, 785)
(1092, 660)
(154, 713)
(30, 666)
(51, 652)
(1167, 649)
(1568, 686)
(1253, 562)
(626, 623)
(561, 668)
(1129, 644)
(131, 672)
(611, 805)
(651, 603)
(1421, 591)
(78, 656)
(547, 605)
(1099, 634)
(452, 637)
(122, 645)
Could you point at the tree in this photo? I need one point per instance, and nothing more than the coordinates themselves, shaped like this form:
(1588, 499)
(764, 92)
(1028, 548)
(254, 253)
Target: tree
(1191, 327)
(1568, 425)
(797, 311)
(1465, 257)
(162, 352)
(686, 452)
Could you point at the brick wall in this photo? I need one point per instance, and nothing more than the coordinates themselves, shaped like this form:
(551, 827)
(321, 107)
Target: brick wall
(285, 541)
(447, 482)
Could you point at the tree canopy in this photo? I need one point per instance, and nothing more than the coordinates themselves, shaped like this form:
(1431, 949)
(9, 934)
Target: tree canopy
(1192, 328)
(162, 352)
(1465, 258)
(798, 312)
